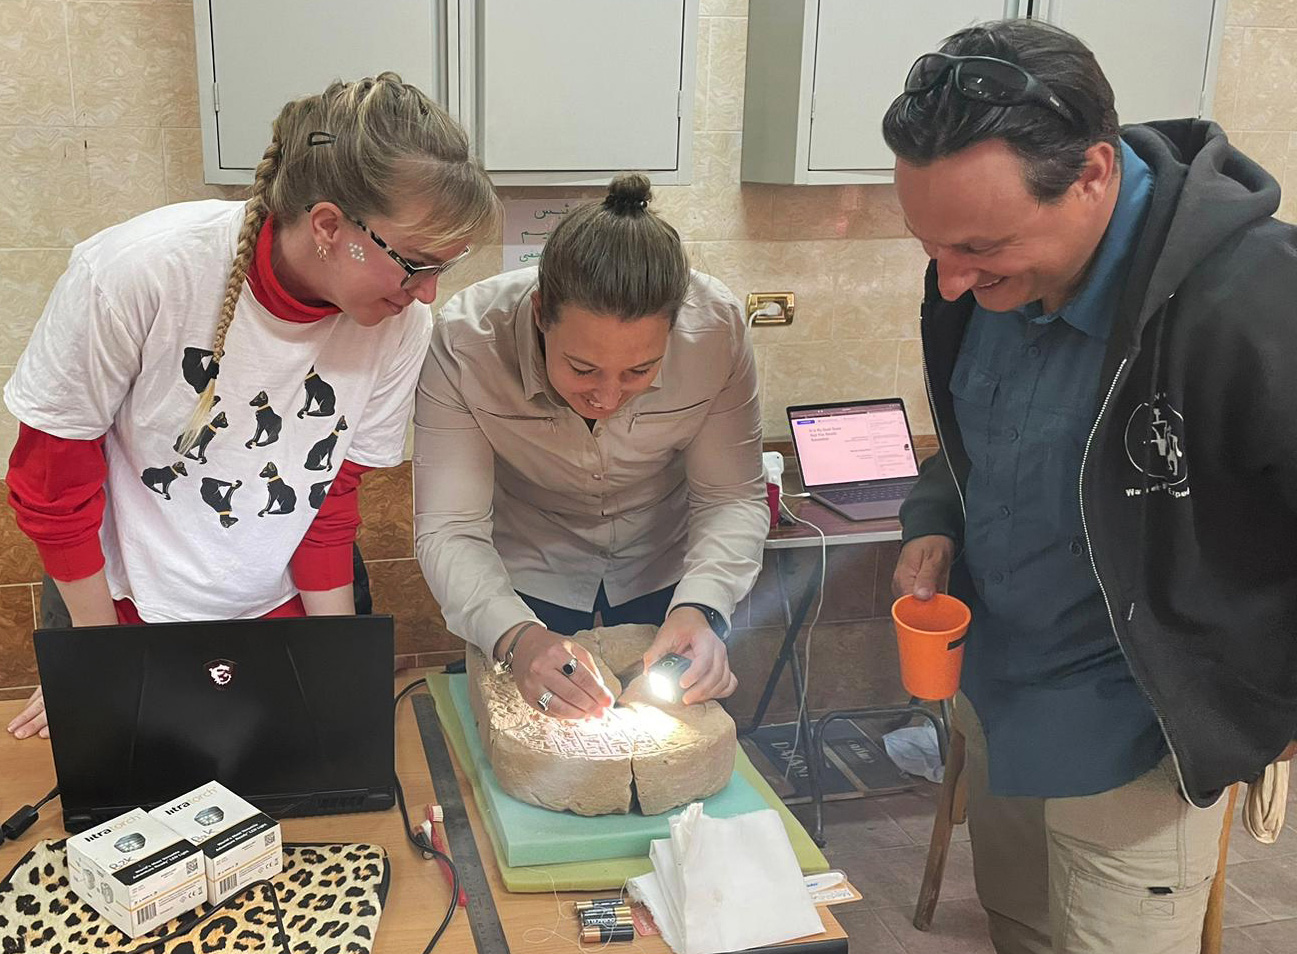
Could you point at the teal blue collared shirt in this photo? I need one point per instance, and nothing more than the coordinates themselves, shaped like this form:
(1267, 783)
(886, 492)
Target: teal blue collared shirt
(1062, 713)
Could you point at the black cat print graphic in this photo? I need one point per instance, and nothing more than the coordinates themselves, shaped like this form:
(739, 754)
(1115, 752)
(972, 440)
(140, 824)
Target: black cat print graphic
(218, 494)
(158, 479)
(280, 498)
(321, 455)
(199, 451)
(268, 422)
(320, 399)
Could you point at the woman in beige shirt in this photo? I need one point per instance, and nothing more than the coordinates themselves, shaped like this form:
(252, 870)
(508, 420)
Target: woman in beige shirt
(588, 438)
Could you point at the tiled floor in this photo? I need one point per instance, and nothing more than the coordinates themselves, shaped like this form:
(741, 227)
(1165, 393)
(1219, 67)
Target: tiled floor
(881, 843)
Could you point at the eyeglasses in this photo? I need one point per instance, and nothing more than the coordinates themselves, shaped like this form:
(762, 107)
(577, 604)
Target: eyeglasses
(414, 274)
(985, 79)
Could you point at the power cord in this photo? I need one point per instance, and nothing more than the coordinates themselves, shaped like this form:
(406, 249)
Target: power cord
(419, 841)
(810, 632)
(770, 309)
(17, 823)
(24, 818)
(282, 935)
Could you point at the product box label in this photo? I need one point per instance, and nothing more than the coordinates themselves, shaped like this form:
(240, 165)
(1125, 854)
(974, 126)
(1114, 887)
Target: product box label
(231, 834)
(136, 872)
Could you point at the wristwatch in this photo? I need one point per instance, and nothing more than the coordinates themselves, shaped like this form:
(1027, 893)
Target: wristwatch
(714, 619)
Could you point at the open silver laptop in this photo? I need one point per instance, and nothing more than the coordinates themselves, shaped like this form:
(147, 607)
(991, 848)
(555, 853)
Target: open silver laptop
(856, 457)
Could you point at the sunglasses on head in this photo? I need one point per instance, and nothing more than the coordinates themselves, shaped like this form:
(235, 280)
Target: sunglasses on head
(984, 79)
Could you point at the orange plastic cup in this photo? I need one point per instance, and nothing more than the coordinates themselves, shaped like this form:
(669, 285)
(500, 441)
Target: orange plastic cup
(930, 636)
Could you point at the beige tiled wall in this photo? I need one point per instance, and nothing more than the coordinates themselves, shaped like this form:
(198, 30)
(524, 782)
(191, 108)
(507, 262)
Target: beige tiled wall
(1256, 93)
(99, 117)
(99, 122)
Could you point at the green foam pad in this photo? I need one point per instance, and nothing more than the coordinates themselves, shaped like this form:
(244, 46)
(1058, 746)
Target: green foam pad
(548, 838)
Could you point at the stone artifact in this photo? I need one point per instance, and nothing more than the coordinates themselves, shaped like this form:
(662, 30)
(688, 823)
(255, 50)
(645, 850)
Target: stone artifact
(644, 753)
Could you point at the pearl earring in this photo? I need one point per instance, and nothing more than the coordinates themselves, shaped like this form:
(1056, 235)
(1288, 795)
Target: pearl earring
(357, 252)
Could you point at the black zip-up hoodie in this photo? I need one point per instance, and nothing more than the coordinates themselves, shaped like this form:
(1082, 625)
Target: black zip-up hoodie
(1188, 486)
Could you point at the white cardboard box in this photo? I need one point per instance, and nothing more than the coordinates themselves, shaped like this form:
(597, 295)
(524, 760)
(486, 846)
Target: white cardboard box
(136, 872)
(239, 843)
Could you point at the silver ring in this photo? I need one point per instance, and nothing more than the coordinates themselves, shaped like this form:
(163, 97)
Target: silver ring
(543, 702)
(569, 667)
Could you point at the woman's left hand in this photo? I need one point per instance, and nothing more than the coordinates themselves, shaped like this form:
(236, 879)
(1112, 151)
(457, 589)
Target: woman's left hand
(687, 633)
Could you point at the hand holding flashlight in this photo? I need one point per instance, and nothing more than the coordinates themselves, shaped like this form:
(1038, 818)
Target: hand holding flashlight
(664, 677)
(687, 634)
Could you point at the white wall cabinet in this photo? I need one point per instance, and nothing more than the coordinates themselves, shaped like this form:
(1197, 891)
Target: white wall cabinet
(560, 92)
(254, 56)
(572, 92)
(821, 74)
(1159, 55)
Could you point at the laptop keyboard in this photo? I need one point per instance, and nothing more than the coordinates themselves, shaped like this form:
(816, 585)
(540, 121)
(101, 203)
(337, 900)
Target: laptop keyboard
(851, 495)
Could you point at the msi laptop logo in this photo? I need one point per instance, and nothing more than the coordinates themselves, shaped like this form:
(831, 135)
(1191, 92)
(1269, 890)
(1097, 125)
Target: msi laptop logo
(221, 672)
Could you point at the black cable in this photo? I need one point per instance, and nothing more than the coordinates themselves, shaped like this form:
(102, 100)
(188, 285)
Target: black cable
(189, 926)
(24, 818)
(418, 842)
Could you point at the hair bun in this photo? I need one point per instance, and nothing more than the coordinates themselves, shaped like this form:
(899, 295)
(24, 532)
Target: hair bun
(628, 194)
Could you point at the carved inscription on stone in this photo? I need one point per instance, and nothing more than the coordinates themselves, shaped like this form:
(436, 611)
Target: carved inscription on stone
(664, 754)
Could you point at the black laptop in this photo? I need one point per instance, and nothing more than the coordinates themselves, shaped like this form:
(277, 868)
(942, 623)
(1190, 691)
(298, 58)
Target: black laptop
(856, 457)
(295, 715)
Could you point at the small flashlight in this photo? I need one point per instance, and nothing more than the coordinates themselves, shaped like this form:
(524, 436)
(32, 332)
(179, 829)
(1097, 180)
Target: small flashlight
(664, 676)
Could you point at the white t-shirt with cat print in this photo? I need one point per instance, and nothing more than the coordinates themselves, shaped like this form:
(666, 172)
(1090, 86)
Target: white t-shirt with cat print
(123, 349)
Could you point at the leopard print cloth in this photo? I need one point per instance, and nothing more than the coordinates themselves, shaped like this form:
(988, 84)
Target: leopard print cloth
(331, 897)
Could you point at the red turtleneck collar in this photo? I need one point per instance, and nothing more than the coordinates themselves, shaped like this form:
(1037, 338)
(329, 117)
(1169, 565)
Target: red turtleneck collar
(265, 286)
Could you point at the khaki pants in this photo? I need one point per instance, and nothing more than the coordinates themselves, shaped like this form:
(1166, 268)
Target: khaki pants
(1126, 871)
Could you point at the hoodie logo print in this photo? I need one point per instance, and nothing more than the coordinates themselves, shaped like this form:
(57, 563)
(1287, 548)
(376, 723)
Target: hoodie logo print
(1155, 446)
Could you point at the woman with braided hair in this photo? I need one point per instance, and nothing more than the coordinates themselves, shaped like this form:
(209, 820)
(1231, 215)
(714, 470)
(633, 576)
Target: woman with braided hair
(159, 466)
(602, 413)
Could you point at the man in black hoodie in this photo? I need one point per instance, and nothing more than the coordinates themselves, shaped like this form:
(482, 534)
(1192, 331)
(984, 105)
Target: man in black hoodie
(1109, 340)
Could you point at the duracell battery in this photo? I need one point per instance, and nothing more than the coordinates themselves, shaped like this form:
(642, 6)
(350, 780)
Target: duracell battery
(601, 935)
(594, 903)
(605, 912)
(600, 919)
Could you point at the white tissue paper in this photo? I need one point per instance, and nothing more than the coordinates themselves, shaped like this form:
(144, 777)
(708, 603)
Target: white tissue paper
(726, 884)
(914, 749)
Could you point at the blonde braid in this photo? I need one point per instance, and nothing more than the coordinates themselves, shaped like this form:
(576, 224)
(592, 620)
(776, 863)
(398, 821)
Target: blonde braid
(254, 218)
(386, 146)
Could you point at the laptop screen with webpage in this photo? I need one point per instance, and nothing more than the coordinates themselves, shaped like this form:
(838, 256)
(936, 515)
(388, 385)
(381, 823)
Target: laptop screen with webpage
(852, 443)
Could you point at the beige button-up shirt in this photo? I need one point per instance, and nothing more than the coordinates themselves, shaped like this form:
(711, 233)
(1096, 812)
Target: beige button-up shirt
(512, 490)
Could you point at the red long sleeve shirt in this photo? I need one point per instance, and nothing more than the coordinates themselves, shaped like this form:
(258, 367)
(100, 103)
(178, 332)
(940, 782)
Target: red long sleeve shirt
(56, 485)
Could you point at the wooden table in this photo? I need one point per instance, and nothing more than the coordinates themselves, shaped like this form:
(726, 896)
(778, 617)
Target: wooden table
(418, 894)
(838, 530)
